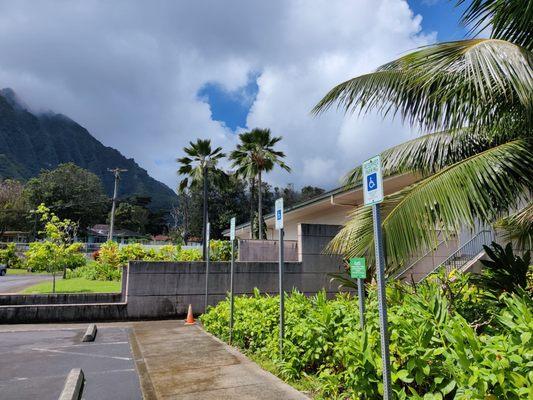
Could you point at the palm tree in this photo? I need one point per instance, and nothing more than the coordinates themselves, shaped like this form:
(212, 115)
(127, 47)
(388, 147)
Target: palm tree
(199, 166)
(254, 155)
(246, 168)
(475, 97)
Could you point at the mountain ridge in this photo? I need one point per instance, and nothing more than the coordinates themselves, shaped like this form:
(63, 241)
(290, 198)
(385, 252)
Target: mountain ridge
(31, 142)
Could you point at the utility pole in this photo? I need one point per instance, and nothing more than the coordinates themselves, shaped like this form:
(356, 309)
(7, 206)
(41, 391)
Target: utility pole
(117, 172)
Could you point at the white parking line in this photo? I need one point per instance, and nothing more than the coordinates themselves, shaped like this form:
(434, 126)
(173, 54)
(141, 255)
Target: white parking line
(82, 354)
(86, 344)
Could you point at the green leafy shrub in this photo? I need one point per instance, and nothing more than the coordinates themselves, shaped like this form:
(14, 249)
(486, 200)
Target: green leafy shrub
(435, 352)
(49, 257)
(190, 255)
(96, 271)
(9, 257)
(505, 271)
(219, 250)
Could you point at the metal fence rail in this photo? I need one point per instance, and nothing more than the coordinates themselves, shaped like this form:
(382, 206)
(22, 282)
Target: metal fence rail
(465, 253)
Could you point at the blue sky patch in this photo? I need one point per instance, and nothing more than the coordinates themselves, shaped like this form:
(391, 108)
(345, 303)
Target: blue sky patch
(230, 107)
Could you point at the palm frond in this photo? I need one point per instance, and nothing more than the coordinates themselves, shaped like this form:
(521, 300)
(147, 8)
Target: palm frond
(474, 190)
(444, 86)
(519, 227)
(508, 20)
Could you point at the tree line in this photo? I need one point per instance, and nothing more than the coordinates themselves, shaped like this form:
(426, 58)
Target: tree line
(73, 193)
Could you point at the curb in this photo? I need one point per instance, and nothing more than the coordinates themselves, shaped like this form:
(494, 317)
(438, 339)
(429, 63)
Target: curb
(73, 385)
(90, 334)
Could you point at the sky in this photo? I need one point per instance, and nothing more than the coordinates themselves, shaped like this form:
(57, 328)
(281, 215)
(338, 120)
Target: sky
(149, 77)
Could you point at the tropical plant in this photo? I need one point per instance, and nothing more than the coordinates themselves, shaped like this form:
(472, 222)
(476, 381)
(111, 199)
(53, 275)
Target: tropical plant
(255, 155)
(198, 166)
(519, 227)
(475, 96)
(9, 256)
(57, 251)
(435, 352)
(505, 271)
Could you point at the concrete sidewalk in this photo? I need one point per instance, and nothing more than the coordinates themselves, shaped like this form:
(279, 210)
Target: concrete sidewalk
(175, 361)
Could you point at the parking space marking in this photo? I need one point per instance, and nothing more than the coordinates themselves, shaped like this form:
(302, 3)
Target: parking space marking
(93, 344)
(109, 371)
(82, 354)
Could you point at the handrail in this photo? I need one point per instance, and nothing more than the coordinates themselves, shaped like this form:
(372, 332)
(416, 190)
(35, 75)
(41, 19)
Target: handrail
(469, 248)
(418, 259)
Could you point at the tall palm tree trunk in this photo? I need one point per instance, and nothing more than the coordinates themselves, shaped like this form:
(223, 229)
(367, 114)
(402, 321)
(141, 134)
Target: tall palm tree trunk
(260, 202)
(204, 227)
(252, 189)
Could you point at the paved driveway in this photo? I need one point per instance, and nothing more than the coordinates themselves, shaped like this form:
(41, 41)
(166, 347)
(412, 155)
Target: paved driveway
(16, 283)
(34, 364)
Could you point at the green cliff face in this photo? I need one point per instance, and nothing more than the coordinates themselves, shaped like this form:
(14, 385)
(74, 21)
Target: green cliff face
(29, 143)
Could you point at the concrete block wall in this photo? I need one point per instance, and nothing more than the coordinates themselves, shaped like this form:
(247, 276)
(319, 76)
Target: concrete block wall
(266, 250)
(166, 289)
(152, 290)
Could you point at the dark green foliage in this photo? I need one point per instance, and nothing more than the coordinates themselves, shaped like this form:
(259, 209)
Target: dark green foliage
(14, 207)
(70, 192)
(31, 142)
(505, 271)
(132, 217)
(435, 353)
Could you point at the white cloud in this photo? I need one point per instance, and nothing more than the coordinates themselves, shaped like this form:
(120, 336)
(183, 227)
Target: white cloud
(130, 72)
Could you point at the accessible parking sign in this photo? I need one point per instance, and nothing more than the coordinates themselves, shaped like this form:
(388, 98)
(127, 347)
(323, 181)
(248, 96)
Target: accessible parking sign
(372, 181)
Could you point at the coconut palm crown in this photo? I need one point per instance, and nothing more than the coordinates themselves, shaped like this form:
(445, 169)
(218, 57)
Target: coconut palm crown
(198, 166)
(254, 155)
(475, 98)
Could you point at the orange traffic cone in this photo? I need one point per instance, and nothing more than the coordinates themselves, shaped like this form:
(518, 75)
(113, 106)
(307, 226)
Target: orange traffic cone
(190, 318)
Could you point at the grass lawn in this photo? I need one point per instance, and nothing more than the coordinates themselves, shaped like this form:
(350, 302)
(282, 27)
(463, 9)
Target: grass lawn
(76, 285)
(17, 271)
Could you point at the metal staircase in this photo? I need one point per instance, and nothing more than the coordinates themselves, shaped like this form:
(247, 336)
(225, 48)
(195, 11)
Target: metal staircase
(467, 252)
(423, 256)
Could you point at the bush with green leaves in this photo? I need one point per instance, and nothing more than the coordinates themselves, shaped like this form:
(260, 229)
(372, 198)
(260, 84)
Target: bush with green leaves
(50, 257)
(96, 271)
(9, 256)
(435, 352)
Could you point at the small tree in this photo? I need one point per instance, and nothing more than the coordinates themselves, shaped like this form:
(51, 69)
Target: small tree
(56, 251)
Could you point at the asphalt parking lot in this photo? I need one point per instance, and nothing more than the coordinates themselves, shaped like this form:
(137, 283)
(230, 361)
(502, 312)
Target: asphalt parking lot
(34, 364)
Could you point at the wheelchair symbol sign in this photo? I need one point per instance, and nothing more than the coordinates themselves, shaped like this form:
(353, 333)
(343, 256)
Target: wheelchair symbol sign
(373, 181)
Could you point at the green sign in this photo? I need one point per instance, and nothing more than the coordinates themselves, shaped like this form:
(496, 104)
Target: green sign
(358, 268)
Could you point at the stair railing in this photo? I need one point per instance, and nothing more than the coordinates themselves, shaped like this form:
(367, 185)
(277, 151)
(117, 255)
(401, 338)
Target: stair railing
(465, 253)
(419, 259)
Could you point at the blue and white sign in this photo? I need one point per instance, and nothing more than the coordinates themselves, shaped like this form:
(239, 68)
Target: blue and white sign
(232, 229)
(207, 232)
(372, 181)
(278, 212)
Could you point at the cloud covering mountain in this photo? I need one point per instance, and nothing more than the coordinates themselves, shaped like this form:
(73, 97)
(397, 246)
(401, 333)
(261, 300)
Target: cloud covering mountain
(131, 72)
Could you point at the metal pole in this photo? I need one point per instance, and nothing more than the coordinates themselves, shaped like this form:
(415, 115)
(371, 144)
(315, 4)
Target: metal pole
(361, 294)
(231, 303)
(207, 271)
(117, 172)
(112, 222)
(281, 294)
(382, 302)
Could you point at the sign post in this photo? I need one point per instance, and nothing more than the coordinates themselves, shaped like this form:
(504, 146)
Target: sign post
(232, 272)
(373, 195)
(278, 211)
(358, 271)
(208, 228)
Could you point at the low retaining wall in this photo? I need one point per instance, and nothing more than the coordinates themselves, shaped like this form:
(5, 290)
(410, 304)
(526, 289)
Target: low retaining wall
(152, 290)
(24, 314)
(59, 298)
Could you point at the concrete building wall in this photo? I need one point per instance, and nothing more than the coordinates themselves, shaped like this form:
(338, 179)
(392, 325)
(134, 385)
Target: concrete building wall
(266, 250)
